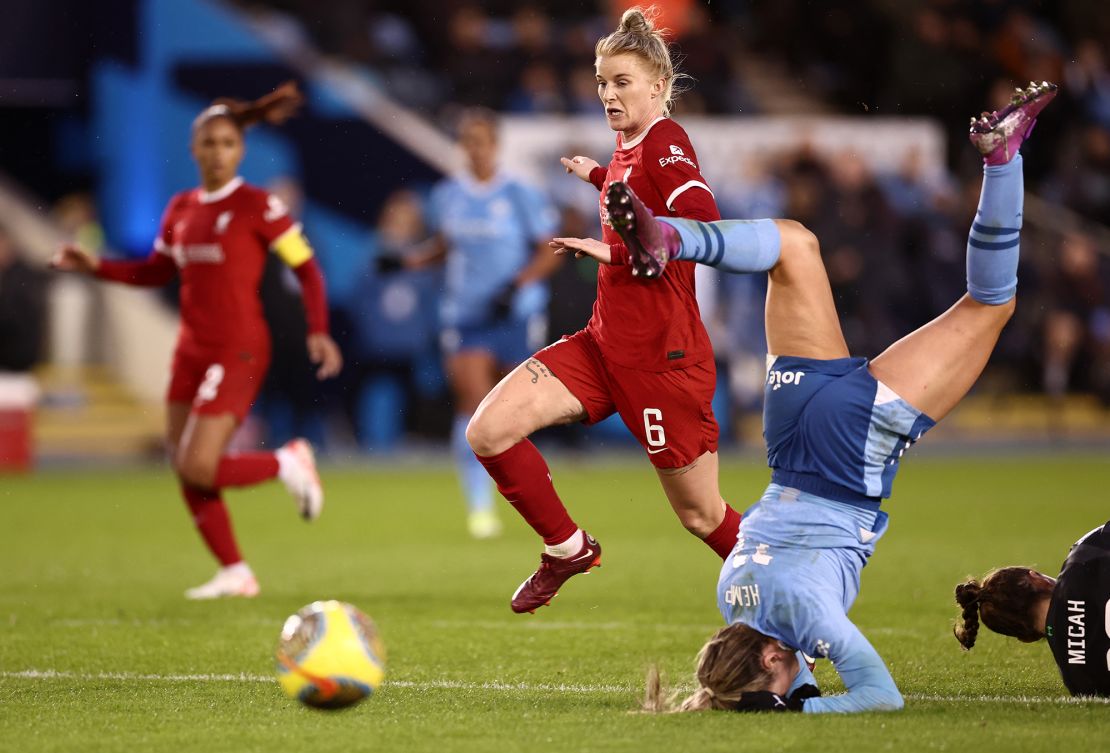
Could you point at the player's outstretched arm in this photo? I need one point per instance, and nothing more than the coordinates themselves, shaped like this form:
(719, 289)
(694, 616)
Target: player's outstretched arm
(154, 271)
(580, 247)
(583, 169)
(870, 686)
(73, 258)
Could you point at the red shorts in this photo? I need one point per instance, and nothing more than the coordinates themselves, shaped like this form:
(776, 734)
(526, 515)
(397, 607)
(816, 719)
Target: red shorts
(218, 382)
(669, 412)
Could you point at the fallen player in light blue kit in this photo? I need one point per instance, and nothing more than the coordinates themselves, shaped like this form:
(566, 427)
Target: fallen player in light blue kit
(836, 428)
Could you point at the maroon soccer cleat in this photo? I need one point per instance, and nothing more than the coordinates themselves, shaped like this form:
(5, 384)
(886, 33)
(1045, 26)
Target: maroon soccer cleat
(544, 584)
(999, 135)
(650, 243)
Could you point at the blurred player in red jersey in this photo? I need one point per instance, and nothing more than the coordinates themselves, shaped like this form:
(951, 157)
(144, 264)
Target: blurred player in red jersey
(644, 354)
(216, 237)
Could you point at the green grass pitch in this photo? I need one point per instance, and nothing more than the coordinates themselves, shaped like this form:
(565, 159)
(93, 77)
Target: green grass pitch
(100, 652)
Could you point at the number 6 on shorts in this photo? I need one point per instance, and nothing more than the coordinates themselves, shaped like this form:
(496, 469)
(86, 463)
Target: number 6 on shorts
(654, 432)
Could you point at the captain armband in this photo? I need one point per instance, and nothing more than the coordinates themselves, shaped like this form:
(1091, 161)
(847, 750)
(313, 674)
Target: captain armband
(292, 246)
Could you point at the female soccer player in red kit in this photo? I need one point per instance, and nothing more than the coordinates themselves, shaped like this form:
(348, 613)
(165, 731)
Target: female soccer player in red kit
(644, 353)
(216, 237)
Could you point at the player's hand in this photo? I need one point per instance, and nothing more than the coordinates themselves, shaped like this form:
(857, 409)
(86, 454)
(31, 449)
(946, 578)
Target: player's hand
(501, 307)
(803, 693)
(583, 247)
(765, 700)
(323, 352)
(580, 166)
(387, 264)
(72, 258)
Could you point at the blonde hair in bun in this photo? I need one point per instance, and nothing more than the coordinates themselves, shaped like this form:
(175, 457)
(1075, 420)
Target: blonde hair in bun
(637, 35)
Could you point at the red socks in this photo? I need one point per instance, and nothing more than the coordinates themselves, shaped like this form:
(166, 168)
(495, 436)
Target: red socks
(723, 538)
(523, 478)
(213, 523)
(245, 469)
(208, 509)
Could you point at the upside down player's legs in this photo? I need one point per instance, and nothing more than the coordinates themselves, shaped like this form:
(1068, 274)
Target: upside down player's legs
(801, 316)
(933, 368)
(738, 246)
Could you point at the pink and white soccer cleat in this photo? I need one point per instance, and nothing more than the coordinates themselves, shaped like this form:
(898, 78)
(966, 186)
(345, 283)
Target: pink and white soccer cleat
(233, 580)
(999, 135)
(651, 244)
(297, 470)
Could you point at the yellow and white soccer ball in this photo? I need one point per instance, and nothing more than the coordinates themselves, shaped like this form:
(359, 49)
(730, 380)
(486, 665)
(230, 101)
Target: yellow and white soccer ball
(330, 656)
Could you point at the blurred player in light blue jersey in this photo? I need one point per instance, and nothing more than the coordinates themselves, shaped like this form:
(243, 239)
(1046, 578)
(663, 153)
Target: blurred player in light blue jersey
(836, 428)
(492, 231)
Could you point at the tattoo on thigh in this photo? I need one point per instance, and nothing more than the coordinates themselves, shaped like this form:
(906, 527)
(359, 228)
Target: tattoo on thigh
(536, 369)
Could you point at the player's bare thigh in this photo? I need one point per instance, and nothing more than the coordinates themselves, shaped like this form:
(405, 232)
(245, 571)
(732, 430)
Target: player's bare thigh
(177, 415)
(472, 373)
(694, 492)
(529, 398)
(801, 316)
(202, 444)
(934, 367)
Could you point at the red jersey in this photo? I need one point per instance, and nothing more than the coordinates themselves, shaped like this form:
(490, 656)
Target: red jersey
(219, 242)
(654, 325)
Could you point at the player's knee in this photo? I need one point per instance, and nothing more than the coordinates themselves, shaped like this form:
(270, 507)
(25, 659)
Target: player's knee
(196, 470)
(487, 437)
(1000, 312)
(697, 522)
(1007, 309)
(797, 242)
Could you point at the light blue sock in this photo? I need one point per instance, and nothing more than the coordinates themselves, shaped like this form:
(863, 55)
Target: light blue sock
(731, 245)
(475, 482)
(993, 243)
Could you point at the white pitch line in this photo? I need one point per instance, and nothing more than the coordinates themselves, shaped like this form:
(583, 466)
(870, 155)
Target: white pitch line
(1063, 700)
(53, 674)
(526, 624)
(501, 686)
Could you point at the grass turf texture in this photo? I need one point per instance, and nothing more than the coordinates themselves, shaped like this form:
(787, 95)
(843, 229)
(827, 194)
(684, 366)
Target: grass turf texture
(93, 567)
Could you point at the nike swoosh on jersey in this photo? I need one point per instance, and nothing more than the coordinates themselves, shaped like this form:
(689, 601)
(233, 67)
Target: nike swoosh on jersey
(653, 452)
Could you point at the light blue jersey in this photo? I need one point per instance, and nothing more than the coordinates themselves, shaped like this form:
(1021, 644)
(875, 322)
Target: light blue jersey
(491, 231)
(793, 576)
(835, 436)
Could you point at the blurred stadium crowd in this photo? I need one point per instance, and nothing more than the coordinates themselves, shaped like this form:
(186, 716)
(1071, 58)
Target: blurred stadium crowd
(893, 242)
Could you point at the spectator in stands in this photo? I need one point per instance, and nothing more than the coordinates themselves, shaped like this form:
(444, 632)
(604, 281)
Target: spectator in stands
(477, 73)
(1077, 320)
(539, 91)
(1083, 180)
(1088, 80)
